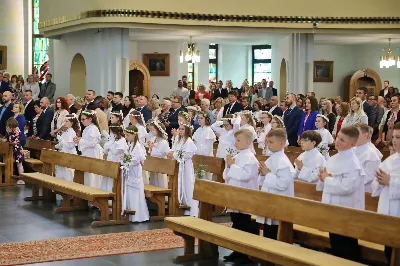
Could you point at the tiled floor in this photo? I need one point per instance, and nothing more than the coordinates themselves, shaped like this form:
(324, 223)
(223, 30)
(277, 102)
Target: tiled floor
(23, 221)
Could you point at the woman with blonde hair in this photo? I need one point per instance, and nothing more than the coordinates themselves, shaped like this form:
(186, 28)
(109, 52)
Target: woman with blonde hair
(326, 110)
(218, 109)
(356, 114)
(154, 105)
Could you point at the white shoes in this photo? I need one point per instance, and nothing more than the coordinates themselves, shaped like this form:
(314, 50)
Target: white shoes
(20, 182)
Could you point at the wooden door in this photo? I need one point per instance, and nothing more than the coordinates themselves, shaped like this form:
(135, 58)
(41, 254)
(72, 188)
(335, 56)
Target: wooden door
(136, 82)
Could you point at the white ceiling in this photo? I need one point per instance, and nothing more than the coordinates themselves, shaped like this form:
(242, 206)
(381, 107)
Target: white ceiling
(254, 38)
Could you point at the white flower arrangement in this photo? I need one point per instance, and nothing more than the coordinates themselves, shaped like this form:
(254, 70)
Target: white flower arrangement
(231, 152)
(180, 154)
(323, 150)
(200, 171)
(126, 159)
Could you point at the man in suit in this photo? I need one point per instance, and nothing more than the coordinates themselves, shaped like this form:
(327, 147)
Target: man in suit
(5, 112)
(44, 120)
(379, 111)
(117, 107)
(362, 93)
(233, 106)
(142, 107)
(267, 92)
(220, 92)
(48, 88)
(292, 119)
(70, 100)
(29, 106)
(5, 83)
(173, 115)
(246, 104)
(273, 106)
(385, 90)
(90, 96)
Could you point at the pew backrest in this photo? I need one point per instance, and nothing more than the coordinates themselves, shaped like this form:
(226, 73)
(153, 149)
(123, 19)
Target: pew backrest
(365, 225)
(81, 163)
(213, 164)
(308, 191)
(160, 165)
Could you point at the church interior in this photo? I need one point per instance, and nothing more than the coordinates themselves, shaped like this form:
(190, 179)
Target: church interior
(327, 52)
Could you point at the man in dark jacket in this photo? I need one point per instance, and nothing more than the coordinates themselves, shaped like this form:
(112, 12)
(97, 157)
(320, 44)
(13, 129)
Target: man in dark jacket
(292, 119)
(233, 106)
(362, 93)
(5, 112)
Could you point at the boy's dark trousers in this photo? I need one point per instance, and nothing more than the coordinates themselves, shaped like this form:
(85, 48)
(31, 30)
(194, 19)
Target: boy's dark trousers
(345, 247)
(243, 222)
(271, 231)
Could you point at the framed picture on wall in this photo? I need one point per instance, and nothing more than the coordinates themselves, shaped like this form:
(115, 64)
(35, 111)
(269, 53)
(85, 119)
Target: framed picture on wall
(323, 71)
(157, 64)
(3, 57)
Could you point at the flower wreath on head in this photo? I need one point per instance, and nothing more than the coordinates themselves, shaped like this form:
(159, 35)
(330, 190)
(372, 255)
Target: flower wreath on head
(131, 131)
(186, 125)
(118, 114)
(324, 117)
(185, 115)
(138, 115)
(206, 115)
(280, 119)
(89, 112)
(268, 113)
(156, 122)
(121, 126)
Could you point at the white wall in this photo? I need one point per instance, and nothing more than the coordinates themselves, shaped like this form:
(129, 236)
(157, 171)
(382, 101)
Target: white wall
(347, 60)
(12, 34)
(232, 64)
(102, 53)
(344, 65)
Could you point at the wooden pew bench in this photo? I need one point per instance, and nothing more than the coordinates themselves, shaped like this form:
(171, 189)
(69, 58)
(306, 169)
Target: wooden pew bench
(317, 239)
(81, 193)
(7, 165)
(35, 146)
(157, 194)
(212, 235)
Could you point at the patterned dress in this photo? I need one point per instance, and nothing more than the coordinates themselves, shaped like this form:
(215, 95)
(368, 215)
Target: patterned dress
(13, 137)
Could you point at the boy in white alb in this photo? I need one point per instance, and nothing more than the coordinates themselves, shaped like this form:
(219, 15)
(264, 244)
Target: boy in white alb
(387, 183)
(309, 163)
(342, 183)
(242, 171)
(276, 176)
(368, 155)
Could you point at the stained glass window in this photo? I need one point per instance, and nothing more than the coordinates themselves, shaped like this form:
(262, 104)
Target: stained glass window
(213, 62)
(40, 45)
(261, 63)
(190, 77)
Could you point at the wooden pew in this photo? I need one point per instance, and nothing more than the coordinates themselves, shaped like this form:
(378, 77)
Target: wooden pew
(317, 239)
(212, 235)
(35, 146)
(7, 152)
(77, 189)
(158, 194)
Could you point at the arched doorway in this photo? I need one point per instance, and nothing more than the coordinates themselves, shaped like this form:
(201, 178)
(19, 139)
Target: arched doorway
(139, 79)
(283, 80)
(77, 76)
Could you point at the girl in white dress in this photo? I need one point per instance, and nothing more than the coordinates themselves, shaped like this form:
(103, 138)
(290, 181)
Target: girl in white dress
(137, 120)
(158, 147)
(276, 122)
(115, 118)
(65, 138)
(183, 118)
(185, 149)
(247, 121)
(114, 148)
(321, 123)
(133, 198)
(204, 138)
(89, 145)
(266, 118)
(225, 134)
